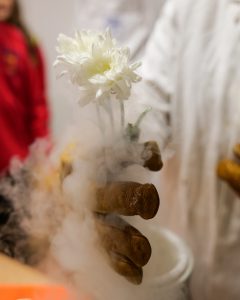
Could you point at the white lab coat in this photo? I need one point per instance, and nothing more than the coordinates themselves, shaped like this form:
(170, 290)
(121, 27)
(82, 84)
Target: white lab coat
(131, 21)
(192, 71)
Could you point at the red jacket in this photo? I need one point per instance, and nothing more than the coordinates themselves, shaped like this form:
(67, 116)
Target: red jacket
(23, 106)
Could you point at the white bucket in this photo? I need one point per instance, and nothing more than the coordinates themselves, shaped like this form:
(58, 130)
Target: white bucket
(167, 274)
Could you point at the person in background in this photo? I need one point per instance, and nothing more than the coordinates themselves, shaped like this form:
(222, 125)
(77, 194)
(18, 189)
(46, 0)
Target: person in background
(192, 75)
(23, 106)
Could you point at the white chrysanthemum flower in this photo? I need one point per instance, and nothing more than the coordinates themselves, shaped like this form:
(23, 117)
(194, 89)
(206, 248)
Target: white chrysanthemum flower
(95, 63)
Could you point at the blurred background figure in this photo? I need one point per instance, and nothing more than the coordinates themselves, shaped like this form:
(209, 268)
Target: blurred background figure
(23, 105)
(192, 75)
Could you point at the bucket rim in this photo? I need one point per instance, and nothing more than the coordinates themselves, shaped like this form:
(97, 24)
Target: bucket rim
(182, 271)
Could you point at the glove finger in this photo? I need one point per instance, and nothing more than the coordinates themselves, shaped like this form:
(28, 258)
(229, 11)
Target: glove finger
(149, 154)
(229, 171)
(119, 237)
(123, 266)
(152, 156)
(236, 151)
(129, 199)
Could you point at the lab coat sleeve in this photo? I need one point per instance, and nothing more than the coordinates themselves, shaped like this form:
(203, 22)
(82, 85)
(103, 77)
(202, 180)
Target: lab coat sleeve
(156, 88)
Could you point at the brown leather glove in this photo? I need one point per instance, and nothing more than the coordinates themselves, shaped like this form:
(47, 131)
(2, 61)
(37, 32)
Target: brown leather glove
(229, 170)
(127, 248)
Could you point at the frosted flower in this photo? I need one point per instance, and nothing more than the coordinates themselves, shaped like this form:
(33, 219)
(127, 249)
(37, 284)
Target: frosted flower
(95, 63)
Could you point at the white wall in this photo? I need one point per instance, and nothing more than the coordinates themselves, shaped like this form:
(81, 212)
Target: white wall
(47, 18)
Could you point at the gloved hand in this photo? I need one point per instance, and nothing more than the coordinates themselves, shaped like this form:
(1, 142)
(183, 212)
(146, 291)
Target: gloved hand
(229, 170)
(127, 248)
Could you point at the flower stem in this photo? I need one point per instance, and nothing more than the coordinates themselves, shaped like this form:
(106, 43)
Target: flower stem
(111, 116)
(142, 115)
(100, 120)
(122, 114)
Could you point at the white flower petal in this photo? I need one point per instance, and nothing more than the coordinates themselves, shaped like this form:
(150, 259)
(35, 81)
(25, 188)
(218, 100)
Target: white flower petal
(95, 63)
(99, 93)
